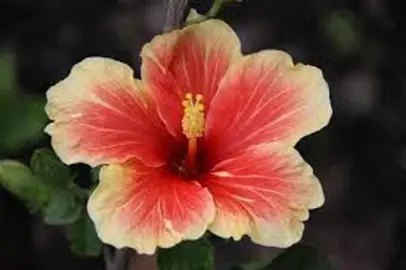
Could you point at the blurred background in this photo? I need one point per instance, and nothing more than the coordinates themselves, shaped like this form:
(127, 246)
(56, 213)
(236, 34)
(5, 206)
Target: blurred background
(360, 157)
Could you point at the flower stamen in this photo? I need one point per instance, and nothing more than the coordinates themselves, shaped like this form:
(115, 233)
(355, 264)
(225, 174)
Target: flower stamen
(193, 116)
(193, 126)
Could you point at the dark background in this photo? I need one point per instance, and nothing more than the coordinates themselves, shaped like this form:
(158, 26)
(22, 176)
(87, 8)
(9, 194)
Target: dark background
(360, 157)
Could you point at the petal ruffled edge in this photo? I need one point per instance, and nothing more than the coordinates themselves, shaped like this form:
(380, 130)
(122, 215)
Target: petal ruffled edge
(145, 208)
(190, 60)
(265, 193)
(264, 98)
(101, 114)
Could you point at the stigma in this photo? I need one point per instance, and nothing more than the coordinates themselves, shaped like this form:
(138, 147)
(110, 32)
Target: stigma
(193, 116)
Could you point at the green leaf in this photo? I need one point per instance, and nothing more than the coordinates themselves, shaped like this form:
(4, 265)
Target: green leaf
(253, 265)
(301, 257)
(83, 237)
(19, 180)
(47, 167)
(59, 205)
(63, 207)
(65, 204)
(22, 122)
(188, 255)
(7, 73)
(95, 174)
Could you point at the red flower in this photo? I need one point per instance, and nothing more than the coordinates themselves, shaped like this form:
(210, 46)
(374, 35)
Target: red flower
(204, 141)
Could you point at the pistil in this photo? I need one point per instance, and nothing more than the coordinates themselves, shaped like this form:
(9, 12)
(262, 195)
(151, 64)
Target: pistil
(193, 127)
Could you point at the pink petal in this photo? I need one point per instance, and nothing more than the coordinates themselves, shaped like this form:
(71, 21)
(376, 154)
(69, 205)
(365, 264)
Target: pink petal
(264, 193)
(265, 98)
(102, 115)
(193, 60)
(145, 208)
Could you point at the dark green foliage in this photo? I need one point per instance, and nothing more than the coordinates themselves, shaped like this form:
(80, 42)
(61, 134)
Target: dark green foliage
(301, 257)
(20, 181)
(188, 255)
(46, 166)
(64, 205)
(83, 238)
(49, 187)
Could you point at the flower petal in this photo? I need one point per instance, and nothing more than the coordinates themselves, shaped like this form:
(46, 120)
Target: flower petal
(193, 60)
(265, 98)
(102, 115)
(145, 208)
(265, 193)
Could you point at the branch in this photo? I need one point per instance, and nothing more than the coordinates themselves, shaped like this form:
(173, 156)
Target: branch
(213, 11)
(176, 12)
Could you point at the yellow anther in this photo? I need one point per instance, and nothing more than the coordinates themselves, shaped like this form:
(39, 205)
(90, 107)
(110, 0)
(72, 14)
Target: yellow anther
(189, 96)
(193, 116)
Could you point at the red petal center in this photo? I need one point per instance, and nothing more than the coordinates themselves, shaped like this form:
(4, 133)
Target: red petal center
(193, 123)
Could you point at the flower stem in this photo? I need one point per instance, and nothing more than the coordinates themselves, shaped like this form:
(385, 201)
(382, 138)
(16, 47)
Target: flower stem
(213, 11)
(215, 8)
(120, 260)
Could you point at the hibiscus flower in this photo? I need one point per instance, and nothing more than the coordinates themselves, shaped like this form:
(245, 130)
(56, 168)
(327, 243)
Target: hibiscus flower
(203, 142)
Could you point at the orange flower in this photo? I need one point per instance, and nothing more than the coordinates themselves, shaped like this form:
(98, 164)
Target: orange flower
(204, 141)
